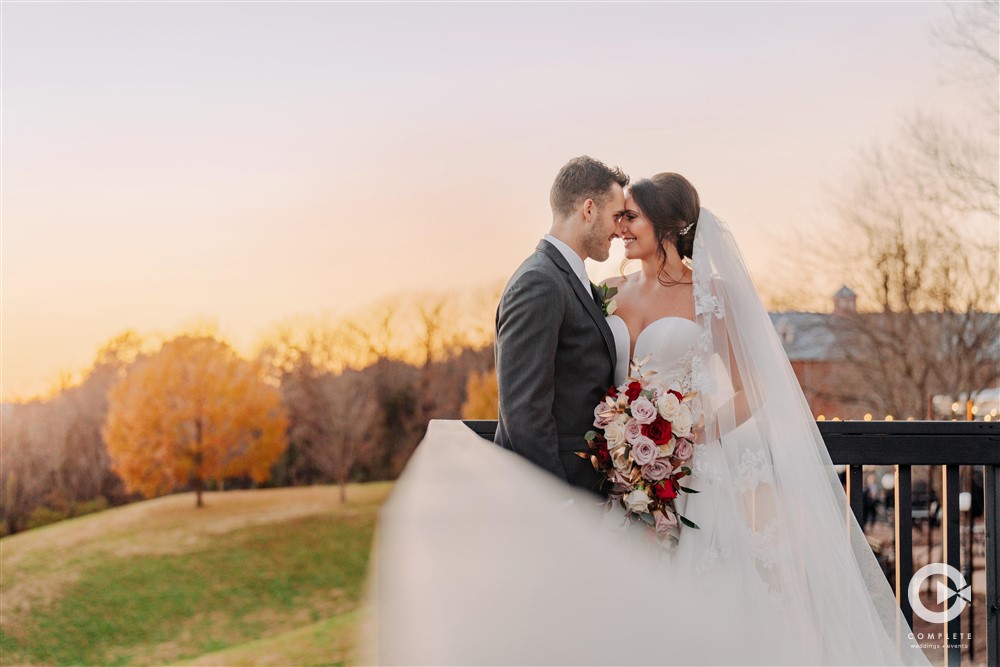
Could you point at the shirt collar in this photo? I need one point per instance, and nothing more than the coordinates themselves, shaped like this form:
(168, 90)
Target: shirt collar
(574, 260)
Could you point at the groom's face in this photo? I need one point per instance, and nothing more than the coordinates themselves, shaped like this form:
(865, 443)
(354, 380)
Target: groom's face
(602, 225)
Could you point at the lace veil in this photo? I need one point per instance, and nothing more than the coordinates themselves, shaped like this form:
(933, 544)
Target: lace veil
(790, 506)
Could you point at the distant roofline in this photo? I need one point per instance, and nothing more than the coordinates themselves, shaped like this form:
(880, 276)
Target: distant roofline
(845, 291)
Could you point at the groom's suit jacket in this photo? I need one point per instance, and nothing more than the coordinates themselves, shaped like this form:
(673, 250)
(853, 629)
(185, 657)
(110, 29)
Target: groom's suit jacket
(555, 361)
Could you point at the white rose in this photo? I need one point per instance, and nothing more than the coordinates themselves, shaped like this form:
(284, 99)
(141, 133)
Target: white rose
(621, 462)
(643, 411)
(614, 433)
(668, 405)
(637, 501)
(668, 449)
(681, 423)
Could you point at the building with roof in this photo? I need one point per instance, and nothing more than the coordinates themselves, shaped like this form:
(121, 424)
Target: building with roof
(826, 375)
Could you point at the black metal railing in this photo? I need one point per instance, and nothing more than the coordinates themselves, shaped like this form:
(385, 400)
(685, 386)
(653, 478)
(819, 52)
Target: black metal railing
(904, 444)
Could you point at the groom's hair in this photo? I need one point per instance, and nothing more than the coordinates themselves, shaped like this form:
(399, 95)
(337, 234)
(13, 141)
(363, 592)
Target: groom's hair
(583, 178)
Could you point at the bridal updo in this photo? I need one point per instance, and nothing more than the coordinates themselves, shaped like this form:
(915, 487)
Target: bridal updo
(671, 203)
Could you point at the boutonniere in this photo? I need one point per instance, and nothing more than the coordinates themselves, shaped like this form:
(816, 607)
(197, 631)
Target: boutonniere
(608, 304)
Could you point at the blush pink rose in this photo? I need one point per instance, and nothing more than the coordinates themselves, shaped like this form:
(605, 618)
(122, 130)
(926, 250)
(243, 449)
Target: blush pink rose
(643, 411)
(644, 451)
(665, 520)
(684, 449)
(656, 470)
(633, 431)
(604, 414)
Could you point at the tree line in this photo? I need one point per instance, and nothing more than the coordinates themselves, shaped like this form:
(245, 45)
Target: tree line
(320, 402)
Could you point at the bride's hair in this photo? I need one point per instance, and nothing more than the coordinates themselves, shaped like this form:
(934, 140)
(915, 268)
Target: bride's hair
(671, 203)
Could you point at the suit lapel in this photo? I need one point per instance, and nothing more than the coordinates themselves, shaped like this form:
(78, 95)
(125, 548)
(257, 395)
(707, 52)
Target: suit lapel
(583, 294)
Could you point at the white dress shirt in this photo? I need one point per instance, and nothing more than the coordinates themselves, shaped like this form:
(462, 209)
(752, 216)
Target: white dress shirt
(574, 260)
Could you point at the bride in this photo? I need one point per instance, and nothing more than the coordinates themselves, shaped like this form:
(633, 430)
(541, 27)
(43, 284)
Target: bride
(483, 559)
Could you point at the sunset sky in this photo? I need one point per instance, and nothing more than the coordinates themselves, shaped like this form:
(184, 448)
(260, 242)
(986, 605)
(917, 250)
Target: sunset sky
(243, 163)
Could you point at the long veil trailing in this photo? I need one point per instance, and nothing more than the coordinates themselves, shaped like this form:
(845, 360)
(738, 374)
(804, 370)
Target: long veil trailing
(481, 558)
(790, 506)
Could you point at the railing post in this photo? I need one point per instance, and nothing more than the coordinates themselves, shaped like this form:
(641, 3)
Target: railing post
(855, 487)
(991, 482)
(904, 540)
(968, 570)
(951, 551)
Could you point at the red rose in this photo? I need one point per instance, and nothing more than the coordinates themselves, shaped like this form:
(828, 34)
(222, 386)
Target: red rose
(603, 458)
(680, 397)
(601, 452)
(665, 490)
(659, 431)
(612, 392)
(633, 391)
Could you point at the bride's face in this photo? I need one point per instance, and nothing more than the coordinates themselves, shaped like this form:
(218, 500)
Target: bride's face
(637, 232)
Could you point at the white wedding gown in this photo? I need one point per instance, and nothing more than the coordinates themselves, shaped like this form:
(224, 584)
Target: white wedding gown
(667, 345)
(731, 572)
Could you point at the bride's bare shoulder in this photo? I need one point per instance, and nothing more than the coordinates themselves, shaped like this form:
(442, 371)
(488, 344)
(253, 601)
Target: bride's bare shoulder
(618, 281)
(613, 281)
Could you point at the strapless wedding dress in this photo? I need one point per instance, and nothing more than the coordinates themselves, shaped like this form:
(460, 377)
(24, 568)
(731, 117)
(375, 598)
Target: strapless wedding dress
(729, 563)
(666, 346)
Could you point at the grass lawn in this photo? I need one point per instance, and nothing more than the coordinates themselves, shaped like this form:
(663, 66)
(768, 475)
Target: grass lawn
(257, 577)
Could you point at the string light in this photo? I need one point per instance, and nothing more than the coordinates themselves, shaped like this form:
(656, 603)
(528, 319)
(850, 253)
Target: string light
(868, 416)
(888, 418)
(821, 418)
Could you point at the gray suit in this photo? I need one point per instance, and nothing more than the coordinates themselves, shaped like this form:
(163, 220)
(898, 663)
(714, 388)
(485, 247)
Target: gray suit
(555, 360)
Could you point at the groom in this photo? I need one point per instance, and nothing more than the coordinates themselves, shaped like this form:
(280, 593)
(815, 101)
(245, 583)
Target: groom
(554, 351)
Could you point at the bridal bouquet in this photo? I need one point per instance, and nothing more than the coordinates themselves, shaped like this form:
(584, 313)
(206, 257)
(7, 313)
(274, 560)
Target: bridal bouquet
(642, 447)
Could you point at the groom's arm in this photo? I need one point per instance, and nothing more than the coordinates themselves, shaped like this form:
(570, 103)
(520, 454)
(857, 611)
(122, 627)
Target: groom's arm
(528, 322)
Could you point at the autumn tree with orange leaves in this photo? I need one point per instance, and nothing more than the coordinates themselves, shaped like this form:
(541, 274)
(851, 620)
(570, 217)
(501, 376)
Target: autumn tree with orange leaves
(193, 412)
